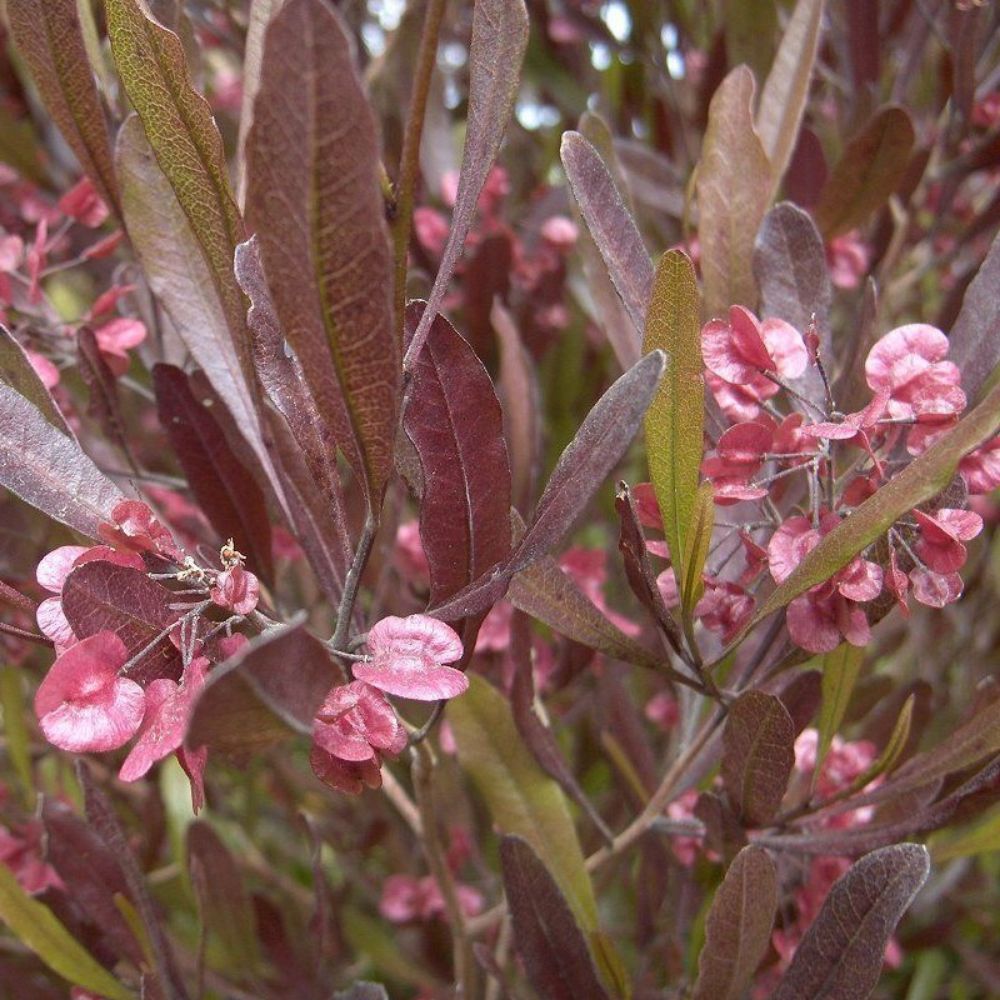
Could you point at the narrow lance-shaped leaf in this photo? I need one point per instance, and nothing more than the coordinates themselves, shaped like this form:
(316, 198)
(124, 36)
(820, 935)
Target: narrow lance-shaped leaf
(734, 190)
(185, 140)
(496, 51)
(314, 200)
(226, 492)
(783, 99)
(840, 673)
(557, 961)
(104, 403)
(886, 760)
(738, 928)
(48, 470)
(17, 372)
(610, 225)
(674, 423)
(522, 799)
(49, 37)
(869, 170)
(758, 755)
(35, 926)
(453, 417)
(841, 956)
(926, 476)
(973, 344)
(696, 551)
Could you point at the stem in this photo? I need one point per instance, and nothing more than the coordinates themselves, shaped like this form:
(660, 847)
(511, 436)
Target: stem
(352, 583)
(464, 964)
(17, 599)
(409, 163)
(25, 634)
(396, 794)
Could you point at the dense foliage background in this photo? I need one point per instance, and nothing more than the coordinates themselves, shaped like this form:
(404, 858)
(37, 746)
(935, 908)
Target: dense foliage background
(693, 704)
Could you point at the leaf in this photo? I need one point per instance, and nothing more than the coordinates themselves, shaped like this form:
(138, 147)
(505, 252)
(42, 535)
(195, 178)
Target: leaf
(496, 51)
(269, 690)
(674, 425)
(696, 551)
(49, 37)
(894, 746)
(638, 571)
(225, 491)
(926, 476)
(557, 960)
(783, 99)
(101, 596)
(840, 957)
(453, 418)
(758, 755)
(47, 469)
(259, 17)
(734, 189)
(519, 398)
(869, 170)
(313, 197)
(972, 344)
(17, 372)
(101, 817)
(840, 673)
(223, 903)
(750, 29)
(104, 404)
(597, 447)
(790, 265)
(185, 140)
(609, 223)
(588, 459)
(522, 799)
(738, 929)
(545, 592)
(980, 837)
(34, 925)
(15, 711)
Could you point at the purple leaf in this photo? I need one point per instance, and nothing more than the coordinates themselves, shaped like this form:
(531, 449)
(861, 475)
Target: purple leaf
(226, 492)
(807, 171)
(104, 403)
(974, 344)
(496, 51)
(870, 169)
(610, 224)
(47, 469)
(313, 197)
(17, 372)
(103, 597)
(758, 755)
(557, 960)
(841, 956)
(453, 417)
(738, 928)
(270, 689)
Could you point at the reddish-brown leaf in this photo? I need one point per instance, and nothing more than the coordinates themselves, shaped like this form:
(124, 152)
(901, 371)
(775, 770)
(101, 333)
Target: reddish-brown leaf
(104, 404)
(17, 372)
(104, 597)
(48, 35)
(758, 755)
(453, 417)
(313, 198)
(226, 492)
(841, 956)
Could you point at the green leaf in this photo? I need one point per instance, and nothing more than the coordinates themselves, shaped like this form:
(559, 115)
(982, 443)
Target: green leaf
(786, 89)
(869, 170)
(15, 730)
(981, 837)
(675, 419)
(522, 799)
(734, 190)
(886, 760)
(696, 551)
(49, 36)
(926, 476)
(187, 145)
(750, 27)
(313, 198)
(35, 926)
(840, 673)
(739, 926)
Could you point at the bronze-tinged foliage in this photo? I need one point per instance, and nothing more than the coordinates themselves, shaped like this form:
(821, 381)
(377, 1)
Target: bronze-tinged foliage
(313, 198)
